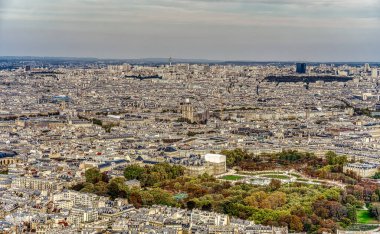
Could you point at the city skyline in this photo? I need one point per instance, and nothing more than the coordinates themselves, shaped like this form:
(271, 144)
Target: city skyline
(289, 30)
(189, 116)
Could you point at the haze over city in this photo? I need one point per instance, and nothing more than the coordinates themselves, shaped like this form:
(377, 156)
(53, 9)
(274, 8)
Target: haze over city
(273, 30)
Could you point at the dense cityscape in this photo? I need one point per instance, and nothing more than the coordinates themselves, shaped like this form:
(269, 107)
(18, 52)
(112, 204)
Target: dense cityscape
(95, 146)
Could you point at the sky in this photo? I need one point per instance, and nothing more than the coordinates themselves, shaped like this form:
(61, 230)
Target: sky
(256, 30)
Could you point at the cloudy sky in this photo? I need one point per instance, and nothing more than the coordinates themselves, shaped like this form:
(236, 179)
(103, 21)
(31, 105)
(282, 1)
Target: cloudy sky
(297, 30)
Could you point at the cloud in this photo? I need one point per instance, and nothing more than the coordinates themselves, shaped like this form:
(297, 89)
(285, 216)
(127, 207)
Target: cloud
(341, 3)
(319, 13)
(217, 27)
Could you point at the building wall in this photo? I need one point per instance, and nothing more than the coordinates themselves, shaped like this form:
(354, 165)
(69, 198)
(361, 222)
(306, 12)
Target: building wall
(363, 172)
(35, 184)
(219, 168)
(188, 112)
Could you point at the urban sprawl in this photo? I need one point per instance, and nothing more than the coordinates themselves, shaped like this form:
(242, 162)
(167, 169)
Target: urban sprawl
(126, 148)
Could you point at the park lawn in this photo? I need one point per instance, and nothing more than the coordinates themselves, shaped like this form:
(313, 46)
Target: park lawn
(302, 180)
(364, 217)
(295, 175)
(232, 177)
(361, 227)
(268, 172)
(281, 177)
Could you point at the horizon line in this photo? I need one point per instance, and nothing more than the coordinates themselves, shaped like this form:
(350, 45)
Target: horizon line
(185, 59)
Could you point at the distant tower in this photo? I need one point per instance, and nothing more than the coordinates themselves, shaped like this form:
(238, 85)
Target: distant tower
(301, 68)
(170, 61)
(366, 67)
(27, 68)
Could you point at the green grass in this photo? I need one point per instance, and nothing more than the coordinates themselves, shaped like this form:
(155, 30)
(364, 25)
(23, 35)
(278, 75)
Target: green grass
(295, 175)
(269, 172)
(361, 227)
(261, 172)
(232, 177)
(272, 176)
(364, 217)
(302, 180)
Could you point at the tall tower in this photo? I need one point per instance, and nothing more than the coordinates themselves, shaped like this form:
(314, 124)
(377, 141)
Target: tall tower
(187, 110)
(301, 68)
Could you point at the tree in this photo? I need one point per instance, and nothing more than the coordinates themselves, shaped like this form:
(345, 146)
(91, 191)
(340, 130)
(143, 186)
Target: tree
(101, 188)
(88, 188)
(97, 122)
(256, 199)
(135, 199)
(152, 178)
(274, 184)
(147, 198)
(330, 157)
(191, 204)
(333, 159)
(176, 171)
(295, 223)
(345, 222)
(177, 186)
(329, 224)
(358, 192)
(289, 155)
(276, 200)
(332, 194)
(375, 210)
(377, 175)
(351, 213)
(320, 209)
(78, 187)
(157, 173)
(93, 175)
(134, 171)
(117, 188)
(350, 199)
(374, 197)
(207, 207)
(234, 157)
(162, 197)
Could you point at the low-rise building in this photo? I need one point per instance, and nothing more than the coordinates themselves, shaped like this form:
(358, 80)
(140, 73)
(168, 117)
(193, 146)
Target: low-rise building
(361, 169)
(36, 184)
